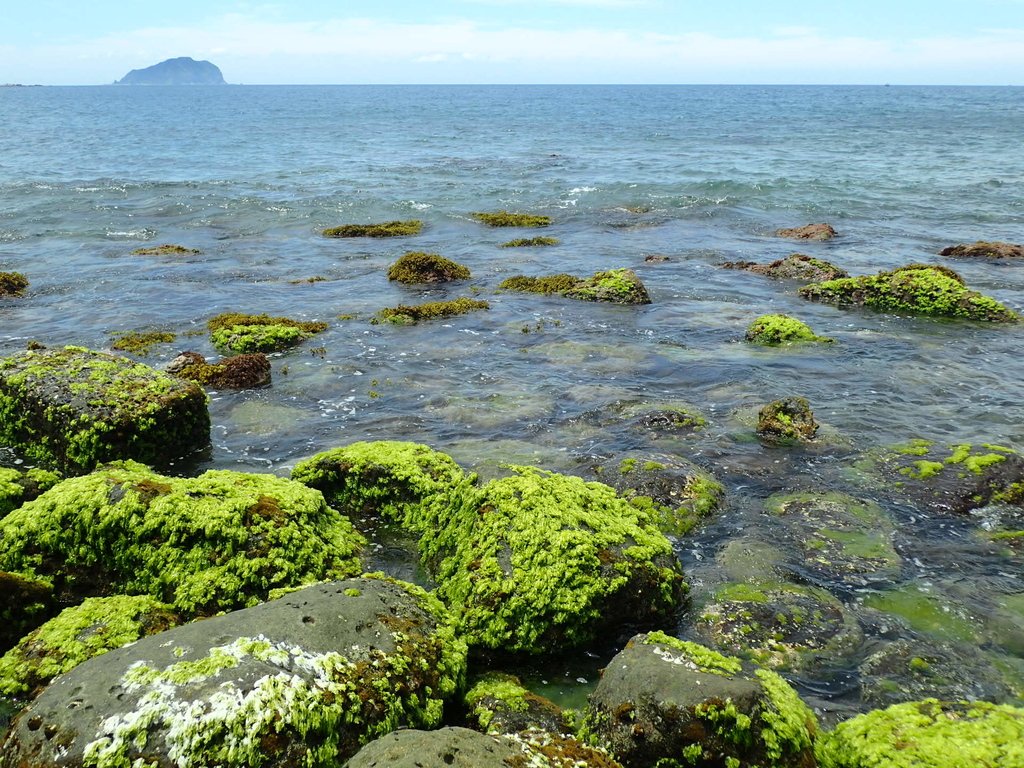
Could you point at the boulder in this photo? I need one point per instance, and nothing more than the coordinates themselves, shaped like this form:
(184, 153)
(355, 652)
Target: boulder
(808, 232)
(303, 680)
(786, 421)
(418, 267)
(663, 701)
(72, 408)
(985, 250)
(796, 266)
(219, 541)
(776, 330)
(237, 372)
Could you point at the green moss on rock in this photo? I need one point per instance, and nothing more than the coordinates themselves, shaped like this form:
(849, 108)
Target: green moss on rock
(498, 703)
(164, 250)
(72, 408)
(616, 286)
(530, 242)
(20, 485)
(241, 333)
(12, 283)
(385, 229)
(547, 285)
(774, 330)
(918, 289)
(785, 421)
(405, 314)
(219, 541)
(140, 342)
(506, 219)
(419, 267)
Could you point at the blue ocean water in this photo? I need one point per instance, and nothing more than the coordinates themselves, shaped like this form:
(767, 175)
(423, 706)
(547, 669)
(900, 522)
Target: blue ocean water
(700, 174)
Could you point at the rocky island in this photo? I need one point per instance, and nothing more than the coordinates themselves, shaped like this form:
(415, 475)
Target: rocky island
(179, 71)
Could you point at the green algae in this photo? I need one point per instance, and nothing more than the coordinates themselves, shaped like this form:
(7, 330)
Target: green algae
(616, 286)
(95, 626)
(164, 250)
(419, 267)
(405, 314)
(918, 289)
(12, 284)
(676, 495)
(530, 242)
(786, 421)
(491, 692)
(507, 219)
(788, 726)
(219, 541)
(775, 330)
(73, 408)
(927, 734)
(549, 284)
(242, 333)
(926, 612)
(385, 229)
(706, 660)
(140, 342)
(18, 486)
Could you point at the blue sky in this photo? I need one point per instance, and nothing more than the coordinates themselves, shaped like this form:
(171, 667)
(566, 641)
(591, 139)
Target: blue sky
(523, 41)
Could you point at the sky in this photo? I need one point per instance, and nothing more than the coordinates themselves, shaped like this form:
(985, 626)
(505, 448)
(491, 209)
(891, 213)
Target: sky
(924, 42)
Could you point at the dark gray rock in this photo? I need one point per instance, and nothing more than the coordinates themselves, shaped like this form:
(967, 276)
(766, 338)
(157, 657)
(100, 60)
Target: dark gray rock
(180, 71)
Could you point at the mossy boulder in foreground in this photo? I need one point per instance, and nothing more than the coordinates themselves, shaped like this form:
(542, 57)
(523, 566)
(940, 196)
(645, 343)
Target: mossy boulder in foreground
(219, 541)
(918, 289)
(775, 330)
(663, 701)
(386, 229)
(72, 408)
(237, 332)
(928, 734)
(303, 680)
(418, 267)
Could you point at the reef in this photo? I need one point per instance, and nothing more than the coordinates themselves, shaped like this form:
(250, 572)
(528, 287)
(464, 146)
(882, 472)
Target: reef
(920, 289)
(808, 232)
(796, 266)
(616, 286)
(406, 314)
(530, 242)
(419, 267)
(386, 229)
(12, 284)
(237, 332)
(789, 420)
(237, 372)
(506, 219)
(985, 250)
(73, 408)
(165, 250)
(219, 541)
(775, 330)
(140, 342)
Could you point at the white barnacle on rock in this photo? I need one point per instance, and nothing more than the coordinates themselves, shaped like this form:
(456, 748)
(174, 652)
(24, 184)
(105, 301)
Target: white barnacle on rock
(672, 658)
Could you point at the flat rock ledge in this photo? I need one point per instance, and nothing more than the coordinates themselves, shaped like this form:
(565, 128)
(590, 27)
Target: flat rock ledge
(71, 409)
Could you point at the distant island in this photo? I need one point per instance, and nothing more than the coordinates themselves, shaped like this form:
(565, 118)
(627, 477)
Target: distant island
(180, 71)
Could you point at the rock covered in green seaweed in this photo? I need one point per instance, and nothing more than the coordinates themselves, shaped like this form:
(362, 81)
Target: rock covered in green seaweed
(530, 242)
(419, 267)
(928, 734)
(238, 332)
(788, 420)
(218, 541)
(140, 342)
(306, 679)
(385, 229)
(12, 284)
(916, 288)
(236, 372)
(498, 703)
(796, 266)
(985, 250)
(615, 286)
(668, 702)
(410, 314)
(507, 219)
(95, 626)
(73, 408)
(538, 561)
(546, 285)
(20, 485)
(774, 330)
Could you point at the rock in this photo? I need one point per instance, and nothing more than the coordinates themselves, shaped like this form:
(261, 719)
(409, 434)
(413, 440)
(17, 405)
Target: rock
(140, 342)
(506, 219)
(168, 249)
(20, 485)
(539, 562)
(236, 332)
(985, 250)
(12, 284)
(663, 699)
(95, 626)
(418, 267)
(303, 680)
(498, 703)
(239, 372)
(385, 229)
(927, 734)
(786, 421)
(530, 242)
(180, 71)
(405, 314)
(675, 492)
(775, 330)
(656, 258)
(219, 541)
(615, 286)
(25, 603)
(808, 232)
(72, 408)
(918, 289)
(796, 266)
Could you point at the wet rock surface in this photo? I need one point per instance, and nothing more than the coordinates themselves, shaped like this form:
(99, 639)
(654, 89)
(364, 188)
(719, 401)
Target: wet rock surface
(985, 250)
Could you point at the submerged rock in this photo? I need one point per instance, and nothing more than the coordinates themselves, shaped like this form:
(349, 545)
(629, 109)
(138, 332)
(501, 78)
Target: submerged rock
(73, 408)
(985, 250)
(20, 485)
(663, 701)
(775, 330)
(140, 342)
(237, 332)
(385, 229)
(530, 242)
(303, 680)
(927, 734)
(165, 250)
(418, 267)
(808, 232)
(917, 288)
(12, 284)
(786, 421)
(237, 372)
(615, 286)
(219, 541)
(406, 314)
(506, 219)
(796, 266)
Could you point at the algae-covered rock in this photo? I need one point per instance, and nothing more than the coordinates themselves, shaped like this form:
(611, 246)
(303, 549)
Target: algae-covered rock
(663, 701)
(498, 703)
(218, 541)
(420, 267)
(615, 286)
(530, 242)
(546, 285)
(928, 734)
(984, 249)
(918, 289)
(927, 611)
(675, 492)
(842, 539)
(774, 330)
(539, 562)
(387, 480)
(12, 284)
(236, 372)
(778, 624)
(303, 680)
(25, 603)
(808, 232)
(20, 485)
(165, 250)
(72, 408)
(663, 420)
(385, 229)
(786, 421)
(406, 314)
(796, 266)
(95, 626)
(506, 219)
(237, 332)
(140, 342)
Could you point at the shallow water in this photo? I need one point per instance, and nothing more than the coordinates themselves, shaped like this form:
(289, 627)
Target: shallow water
(703, 175)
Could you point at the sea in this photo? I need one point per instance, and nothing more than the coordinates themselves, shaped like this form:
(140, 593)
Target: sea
(700, 175)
